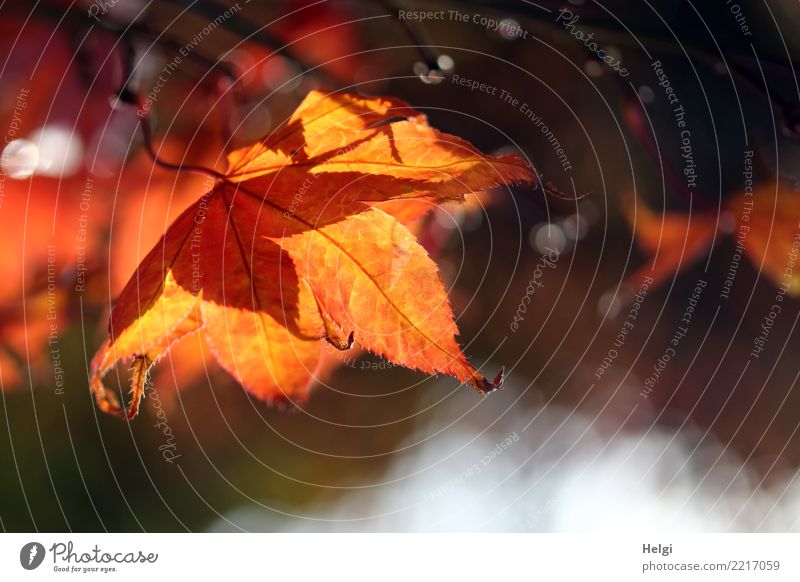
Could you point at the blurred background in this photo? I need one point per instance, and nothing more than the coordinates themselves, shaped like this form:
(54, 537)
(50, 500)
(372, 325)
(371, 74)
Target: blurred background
(642, 297)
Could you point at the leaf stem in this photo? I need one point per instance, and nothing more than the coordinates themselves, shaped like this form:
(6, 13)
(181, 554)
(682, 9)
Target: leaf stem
(144, 122)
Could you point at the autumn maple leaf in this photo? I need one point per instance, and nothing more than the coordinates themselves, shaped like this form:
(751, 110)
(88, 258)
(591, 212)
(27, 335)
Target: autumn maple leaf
(290, 248)
(762, 223)
(672, 241)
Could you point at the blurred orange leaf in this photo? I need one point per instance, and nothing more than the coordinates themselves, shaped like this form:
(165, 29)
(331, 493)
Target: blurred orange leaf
(764, 223)
(672, 241)
(768, 223)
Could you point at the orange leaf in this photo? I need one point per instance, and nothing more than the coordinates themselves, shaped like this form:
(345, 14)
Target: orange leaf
(672, 241)
(768, 222)
(287, 251)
